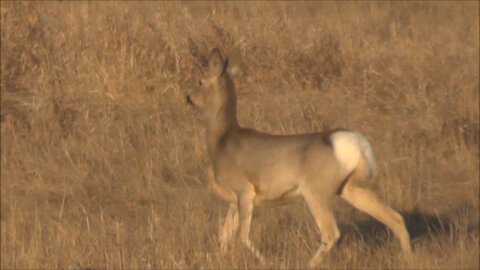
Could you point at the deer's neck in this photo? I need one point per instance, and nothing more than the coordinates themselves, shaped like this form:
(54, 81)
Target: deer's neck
(220, 125)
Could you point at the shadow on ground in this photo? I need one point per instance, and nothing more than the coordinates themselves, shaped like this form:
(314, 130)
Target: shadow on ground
(419, 225)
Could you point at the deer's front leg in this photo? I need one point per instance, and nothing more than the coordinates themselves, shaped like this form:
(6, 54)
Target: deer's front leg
(245, 211)
(230, 227)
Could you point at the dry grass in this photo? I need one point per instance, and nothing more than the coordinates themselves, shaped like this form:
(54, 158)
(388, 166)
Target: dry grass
(103, 165)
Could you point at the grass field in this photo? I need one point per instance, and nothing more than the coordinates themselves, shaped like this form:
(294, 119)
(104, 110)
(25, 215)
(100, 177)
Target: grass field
(103, 166)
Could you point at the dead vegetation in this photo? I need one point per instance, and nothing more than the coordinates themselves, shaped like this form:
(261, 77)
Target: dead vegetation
(97, 143)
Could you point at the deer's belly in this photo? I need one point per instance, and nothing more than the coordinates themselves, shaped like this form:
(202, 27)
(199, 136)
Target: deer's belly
(288, 196)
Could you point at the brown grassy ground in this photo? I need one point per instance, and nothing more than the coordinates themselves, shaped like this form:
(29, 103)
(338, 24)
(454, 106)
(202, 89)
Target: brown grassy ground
(103, 164)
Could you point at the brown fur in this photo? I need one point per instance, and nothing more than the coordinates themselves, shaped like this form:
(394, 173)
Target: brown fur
(251, 168)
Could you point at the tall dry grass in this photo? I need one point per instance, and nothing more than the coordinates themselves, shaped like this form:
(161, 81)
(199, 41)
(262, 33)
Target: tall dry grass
(103, 165)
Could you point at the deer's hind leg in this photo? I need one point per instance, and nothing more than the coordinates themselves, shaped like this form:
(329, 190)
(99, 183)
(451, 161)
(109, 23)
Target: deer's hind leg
(321, 211)
(368, 202)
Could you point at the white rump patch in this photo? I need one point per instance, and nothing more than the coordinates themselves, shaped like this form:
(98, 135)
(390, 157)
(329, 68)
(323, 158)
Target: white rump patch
(346, 146)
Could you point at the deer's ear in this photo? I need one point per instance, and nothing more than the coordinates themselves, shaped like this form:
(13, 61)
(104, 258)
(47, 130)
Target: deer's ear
(198, 57)
(216, 63)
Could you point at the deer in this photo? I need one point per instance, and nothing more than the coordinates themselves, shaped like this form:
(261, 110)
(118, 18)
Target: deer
(250, 168)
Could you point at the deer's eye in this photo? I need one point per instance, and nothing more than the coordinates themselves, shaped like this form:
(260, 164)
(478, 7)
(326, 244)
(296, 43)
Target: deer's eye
(199, 83)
